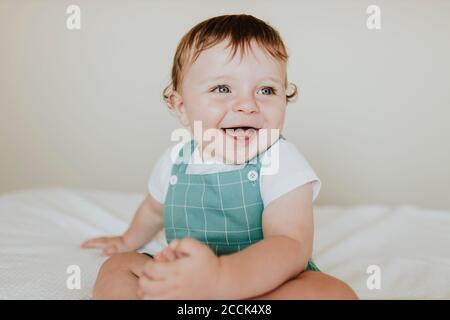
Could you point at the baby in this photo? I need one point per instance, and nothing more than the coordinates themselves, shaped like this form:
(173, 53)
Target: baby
(238, 227)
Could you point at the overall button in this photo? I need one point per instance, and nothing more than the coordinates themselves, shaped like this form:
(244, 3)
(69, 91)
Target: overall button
(252, 175)
(173, 180)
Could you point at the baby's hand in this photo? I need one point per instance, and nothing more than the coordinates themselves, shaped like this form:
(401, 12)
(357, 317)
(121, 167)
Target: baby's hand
(169, 253)
(108, 245)
(194, 274)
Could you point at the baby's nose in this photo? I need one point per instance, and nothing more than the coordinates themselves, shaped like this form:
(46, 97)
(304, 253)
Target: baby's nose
(247, 107)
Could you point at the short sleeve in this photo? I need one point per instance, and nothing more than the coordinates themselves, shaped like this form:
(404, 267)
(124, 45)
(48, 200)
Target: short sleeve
(160, 176)
(283, 169)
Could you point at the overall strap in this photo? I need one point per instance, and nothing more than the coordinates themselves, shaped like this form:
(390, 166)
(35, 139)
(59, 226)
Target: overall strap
(184, 156)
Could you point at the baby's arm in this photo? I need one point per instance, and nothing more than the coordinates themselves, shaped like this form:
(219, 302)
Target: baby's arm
(147, 222)
(283, 253)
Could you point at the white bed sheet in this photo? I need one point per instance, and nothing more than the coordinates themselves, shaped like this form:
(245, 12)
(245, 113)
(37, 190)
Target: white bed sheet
(41, 230)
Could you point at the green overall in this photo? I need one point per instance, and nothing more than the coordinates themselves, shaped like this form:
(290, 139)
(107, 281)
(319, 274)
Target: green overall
(222, 209)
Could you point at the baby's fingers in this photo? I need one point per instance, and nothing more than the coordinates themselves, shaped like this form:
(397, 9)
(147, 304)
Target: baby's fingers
(174, 246)
(161, 257)
(168, 254)
(109, 250)
(95, 243)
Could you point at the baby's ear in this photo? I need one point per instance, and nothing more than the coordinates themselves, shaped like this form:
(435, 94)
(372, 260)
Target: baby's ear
(175, 103)
(291, 92)
(172, 97)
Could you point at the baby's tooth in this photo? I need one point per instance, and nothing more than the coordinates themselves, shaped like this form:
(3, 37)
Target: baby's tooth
(239, 132)
(230, 132)
(250, 132)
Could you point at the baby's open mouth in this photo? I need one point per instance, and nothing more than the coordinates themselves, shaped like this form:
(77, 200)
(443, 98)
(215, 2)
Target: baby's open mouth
(240, 133)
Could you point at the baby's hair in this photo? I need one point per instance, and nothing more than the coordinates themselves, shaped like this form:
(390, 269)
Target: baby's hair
(240, 30)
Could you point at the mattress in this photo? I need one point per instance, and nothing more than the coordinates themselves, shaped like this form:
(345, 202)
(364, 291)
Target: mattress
(41, 231)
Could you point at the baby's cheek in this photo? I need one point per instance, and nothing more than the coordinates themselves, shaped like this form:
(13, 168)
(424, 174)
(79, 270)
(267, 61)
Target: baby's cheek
(274, 117)
(211, 116)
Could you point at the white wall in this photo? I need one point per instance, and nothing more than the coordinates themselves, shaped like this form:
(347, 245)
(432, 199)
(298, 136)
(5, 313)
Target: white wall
(83, 109)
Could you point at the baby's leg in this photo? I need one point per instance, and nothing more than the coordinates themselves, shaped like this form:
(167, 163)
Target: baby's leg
(311, 285)
(118, 276)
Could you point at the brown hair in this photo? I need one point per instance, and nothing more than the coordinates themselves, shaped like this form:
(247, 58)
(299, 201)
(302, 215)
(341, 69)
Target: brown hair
(240, 30)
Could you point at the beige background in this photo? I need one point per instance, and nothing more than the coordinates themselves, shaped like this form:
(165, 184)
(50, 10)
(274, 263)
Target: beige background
(82, 108)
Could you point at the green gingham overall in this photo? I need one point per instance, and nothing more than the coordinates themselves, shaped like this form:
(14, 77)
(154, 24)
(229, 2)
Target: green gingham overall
(222, 209)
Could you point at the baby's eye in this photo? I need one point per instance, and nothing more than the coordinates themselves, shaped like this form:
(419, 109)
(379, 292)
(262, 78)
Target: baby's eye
(267, 91)
(222, 89)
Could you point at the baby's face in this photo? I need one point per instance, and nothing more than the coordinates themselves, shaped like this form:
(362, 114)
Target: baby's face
(229, 94)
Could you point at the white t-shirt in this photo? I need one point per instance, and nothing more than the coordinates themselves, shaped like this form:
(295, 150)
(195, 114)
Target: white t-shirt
(283, 168)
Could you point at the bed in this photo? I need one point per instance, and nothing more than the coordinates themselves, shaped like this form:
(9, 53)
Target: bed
(41, 230)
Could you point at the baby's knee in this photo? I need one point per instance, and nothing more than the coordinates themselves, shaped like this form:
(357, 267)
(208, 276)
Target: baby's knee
(343, 291)
(108, 275)
(329, 287)
(118, 261)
